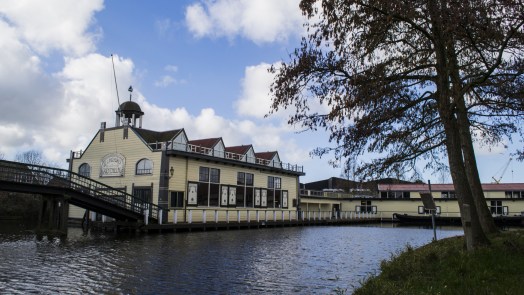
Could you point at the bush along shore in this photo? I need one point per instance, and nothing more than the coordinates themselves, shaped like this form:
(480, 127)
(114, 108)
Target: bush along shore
(445, 267)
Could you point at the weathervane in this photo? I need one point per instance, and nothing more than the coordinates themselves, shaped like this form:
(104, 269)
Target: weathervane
(130, 89)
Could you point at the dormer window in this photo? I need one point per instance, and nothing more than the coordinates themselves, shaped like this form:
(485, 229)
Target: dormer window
(144, 167)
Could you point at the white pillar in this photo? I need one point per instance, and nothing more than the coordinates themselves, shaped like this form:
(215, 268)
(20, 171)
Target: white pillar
(146, 216)
(160, 216)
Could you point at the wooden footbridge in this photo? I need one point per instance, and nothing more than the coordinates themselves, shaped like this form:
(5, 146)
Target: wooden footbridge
(60, 188)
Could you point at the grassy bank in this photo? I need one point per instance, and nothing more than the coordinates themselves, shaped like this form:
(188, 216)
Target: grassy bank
(444, 267)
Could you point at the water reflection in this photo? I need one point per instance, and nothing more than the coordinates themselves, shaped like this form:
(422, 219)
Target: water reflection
(302, 260)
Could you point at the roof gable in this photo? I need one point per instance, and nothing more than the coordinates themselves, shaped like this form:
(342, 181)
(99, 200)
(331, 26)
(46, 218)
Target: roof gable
(150, 136)
(267, 155)
(206, 142)
(239, 149)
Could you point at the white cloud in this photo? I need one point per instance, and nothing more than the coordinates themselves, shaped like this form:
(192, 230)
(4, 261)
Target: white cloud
(53, 24)
(171, 68)
(59, 112)
(261, 21)
(255, 99)
(165, 81)
(163, 26)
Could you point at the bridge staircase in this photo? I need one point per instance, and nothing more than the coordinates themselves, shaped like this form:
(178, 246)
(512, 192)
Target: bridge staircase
(60, 188)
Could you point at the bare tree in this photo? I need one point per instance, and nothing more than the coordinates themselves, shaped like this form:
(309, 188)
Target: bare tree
(32, 157)
(408, 80)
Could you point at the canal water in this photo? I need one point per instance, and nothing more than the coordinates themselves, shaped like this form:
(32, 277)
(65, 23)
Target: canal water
(292, 260)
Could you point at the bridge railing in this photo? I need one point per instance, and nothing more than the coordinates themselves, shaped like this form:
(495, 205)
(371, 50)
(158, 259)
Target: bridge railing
(56, 177)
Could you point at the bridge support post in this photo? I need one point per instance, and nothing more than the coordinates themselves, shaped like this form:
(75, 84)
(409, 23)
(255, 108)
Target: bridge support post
(53, 215)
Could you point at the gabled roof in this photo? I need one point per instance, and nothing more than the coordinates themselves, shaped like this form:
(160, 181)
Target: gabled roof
(207, 142)
(150, 136)
(266, 155)
(239, 149)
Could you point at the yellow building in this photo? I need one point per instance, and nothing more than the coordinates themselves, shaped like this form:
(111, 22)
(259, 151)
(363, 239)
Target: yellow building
(504, 199)
(195, 179)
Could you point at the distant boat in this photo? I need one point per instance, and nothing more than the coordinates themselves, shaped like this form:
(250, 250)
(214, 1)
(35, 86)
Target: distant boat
(517, 220)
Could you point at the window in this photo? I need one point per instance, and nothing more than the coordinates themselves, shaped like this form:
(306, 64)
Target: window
(366, 207)
(497, 209)
(249, 179)
(176, 200)
(274, 182)
(208, 188)
(144, 167)
(142, 195)
(241, 178)
(274, 185)
(514, 194)
(215, 175)
(448, 195)
(394, 195)
(244, 190)
(204, 174)
(277, 183)
(84, 170)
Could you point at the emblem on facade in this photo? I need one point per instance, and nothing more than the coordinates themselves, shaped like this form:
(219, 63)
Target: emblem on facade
(112, 165)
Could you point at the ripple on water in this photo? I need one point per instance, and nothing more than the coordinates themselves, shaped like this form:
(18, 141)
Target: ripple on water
(304, 260)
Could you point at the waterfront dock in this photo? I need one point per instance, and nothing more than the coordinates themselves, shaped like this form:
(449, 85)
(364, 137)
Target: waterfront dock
(308, 219)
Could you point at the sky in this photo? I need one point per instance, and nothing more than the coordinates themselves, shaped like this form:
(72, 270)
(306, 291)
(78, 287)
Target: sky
(193, 64)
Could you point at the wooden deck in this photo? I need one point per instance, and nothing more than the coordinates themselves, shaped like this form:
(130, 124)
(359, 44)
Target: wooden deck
(119, 226)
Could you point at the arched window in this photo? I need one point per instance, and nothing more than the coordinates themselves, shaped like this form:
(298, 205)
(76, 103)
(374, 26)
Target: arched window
(84, 170)
(144, 166)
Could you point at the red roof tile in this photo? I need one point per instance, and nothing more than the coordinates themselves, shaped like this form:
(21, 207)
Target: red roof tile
(266, 155)
(240, 149)
(449, 187)
(207, 142)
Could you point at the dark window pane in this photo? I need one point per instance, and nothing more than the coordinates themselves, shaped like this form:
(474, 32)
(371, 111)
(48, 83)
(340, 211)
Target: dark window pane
(84, 170)
(214, 193)
(277, 182)
(215, 175)
(249, 179)
(204, 174)
(278, 198)
(240, 196)
(240, 178)
(270, 182)
(202, 194)
(249, 197)
(177, 199)
(270, 199)
(144, 166)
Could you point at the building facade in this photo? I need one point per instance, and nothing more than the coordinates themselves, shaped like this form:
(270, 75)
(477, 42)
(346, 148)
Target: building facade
(203, 176)
(503, 199)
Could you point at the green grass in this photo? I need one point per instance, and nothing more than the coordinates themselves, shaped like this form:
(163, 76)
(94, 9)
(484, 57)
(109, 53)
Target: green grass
(444, 267)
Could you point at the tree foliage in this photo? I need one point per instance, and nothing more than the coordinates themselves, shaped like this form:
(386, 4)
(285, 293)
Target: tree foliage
(409, 81)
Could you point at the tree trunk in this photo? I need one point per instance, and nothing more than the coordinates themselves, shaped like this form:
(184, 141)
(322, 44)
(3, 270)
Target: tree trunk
(468, 151)
(473, 233)
(470, 163)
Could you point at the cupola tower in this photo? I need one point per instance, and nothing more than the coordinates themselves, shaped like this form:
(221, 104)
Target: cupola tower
(129, 112)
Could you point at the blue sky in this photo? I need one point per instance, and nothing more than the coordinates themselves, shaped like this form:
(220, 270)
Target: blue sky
(198, 65)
